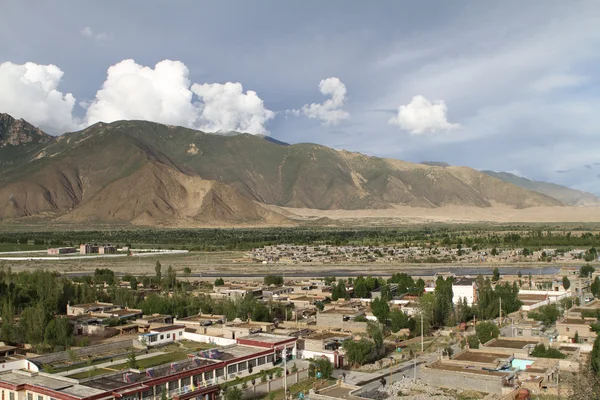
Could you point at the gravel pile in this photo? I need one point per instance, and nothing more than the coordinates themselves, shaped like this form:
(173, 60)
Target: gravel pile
(406, 389)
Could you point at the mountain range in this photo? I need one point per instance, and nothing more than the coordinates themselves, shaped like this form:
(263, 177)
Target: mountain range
(145, 173)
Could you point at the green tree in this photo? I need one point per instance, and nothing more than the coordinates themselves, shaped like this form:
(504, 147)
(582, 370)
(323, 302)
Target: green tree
(158, 272)
(233, 393)
(171, 278)
(496, 275)
(322, 365)
(473, 341)
(398, 320)
(546, 352)
(359, 352)
(520, 275)
(486, 331)
(132, 360)
(586, 271)
(276, 280)
(380, 309)
(219, 282)
(339, 290)
(494, 252)
(133, 283)
(595, 357)
(595, 287)
(566, 283)
(187, 271)
(360, 288)
(547, 314)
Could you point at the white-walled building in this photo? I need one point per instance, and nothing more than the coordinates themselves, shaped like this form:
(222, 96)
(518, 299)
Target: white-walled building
(162, 335)
(464, 288)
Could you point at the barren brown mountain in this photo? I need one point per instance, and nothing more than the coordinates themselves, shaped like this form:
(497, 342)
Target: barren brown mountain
(146, 173)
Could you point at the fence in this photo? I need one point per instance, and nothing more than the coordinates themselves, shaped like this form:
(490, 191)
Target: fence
(262, 389)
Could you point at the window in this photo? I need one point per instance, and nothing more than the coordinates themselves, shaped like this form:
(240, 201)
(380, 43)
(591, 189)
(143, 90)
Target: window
(29, 396)
(261, 360)
(40, 397)
(180, 333)
(148, 393)
(208, 375)
(11, 396)
(162, 337)
(242, 366)
(173, 385)
(252, 363)
(220, 372)
(168, 336)
(270, 358)
(231, 369)
(185, 381)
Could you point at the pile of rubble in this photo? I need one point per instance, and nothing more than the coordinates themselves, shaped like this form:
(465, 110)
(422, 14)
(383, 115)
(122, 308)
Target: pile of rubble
(407, 389)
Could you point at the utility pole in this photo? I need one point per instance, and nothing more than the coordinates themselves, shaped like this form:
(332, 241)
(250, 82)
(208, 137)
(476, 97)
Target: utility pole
(421, 331)
(415, 366)
(284, 354)
(500, 298)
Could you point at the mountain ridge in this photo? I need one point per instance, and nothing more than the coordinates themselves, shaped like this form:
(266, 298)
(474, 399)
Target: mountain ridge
(186, 177)
(564, 194)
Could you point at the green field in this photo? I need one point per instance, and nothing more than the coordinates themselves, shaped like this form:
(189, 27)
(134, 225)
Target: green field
(21, 247)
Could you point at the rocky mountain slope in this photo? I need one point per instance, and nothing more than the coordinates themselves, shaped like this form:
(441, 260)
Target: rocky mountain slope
(561, 193)
(147, 173)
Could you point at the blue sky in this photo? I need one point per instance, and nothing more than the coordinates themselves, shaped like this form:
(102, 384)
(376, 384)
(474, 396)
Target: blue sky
(509, 86)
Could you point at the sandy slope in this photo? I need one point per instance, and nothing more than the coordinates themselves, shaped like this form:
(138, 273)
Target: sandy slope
(454, 214)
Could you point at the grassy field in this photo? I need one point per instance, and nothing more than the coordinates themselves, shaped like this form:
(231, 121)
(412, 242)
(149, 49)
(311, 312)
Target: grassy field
(21, 247)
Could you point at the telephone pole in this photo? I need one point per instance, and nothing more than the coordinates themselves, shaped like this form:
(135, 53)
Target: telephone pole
(500, 298)
(421, 331)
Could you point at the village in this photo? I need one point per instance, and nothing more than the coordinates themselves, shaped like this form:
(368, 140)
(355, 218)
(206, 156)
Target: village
(508, 337)
(326, 254)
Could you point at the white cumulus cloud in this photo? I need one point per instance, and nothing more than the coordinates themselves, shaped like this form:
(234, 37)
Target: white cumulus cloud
(165, 94)
(89, 33)
(30, 91)
(225, 107)
(330, 111)
(132, 91)
(423, 116)
(161, 94)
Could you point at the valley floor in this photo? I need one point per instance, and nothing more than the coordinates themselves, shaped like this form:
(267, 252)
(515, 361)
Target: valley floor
(449, 214)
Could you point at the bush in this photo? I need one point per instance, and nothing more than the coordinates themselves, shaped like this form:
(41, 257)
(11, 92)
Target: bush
(486, 331)
(547, 352)
(473, 341)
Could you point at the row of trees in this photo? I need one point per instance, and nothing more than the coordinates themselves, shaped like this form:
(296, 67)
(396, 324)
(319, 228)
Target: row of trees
(245, 239)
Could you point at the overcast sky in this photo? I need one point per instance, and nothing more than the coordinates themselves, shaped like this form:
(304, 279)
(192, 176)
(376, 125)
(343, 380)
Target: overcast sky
(502, 85)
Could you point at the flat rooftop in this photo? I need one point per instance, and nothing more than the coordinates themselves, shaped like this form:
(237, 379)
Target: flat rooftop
(237, 350)
(532, 297)
(167, 328)
(511, 344)
(325, 335)
(480, 357)
(341, 311)
(456, 368)
(116, 381)
(576, 321)
(52, 383)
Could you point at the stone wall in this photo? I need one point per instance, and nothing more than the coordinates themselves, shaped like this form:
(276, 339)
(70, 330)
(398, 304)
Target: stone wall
(461, 380)
(263, 389)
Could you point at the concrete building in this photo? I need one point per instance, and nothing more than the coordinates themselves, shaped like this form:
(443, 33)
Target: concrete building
(198, 377)
(88, 308)
(567, 328)
(86, 248)
(341, 318)
(61, 250)
(107, 249)
(162, 335)
(464, 288)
